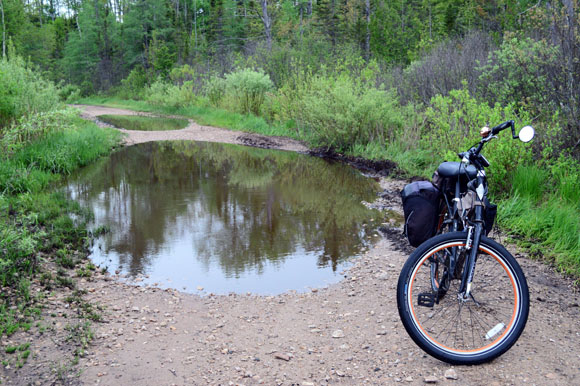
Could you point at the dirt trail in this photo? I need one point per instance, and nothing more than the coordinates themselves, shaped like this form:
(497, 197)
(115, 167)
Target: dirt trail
(193, 132)
(346, 333)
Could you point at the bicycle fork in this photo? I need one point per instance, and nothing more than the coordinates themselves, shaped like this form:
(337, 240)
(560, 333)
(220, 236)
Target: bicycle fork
(472, 246)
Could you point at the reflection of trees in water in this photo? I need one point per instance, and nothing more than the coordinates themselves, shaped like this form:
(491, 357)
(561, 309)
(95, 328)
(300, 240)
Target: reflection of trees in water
(250, 206)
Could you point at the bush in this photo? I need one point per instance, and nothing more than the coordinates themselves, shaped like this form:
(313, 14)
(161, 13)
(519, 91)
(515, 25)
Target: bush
(453, 124)
(517, 73)
(166, 94)
(215, 90)
(248, 89)
(69, 93)
(23, 91)
(443, 68)
(340, 112)
(132, 86)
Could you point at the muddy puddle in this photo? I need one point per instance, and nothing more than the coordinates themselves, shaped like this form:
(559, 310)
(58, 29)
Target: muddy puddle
(226, 218)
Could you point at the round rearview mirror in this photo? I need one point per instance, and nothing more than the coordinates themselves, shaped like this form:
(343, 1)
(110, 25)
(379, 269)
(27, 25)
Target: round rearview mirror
(526, 134)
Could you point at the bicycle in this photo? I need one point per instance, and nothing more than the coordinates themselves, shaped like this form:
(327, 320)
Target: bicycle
(462, 297)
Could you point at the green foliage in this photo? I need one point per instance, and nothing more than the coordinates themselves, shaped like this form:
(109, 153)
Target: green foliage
(453, 124)
(339, 111)
(248, 89)
(551, 229)
(63, 151)
(565, 173)
(215, 90)
(167, 94)
(31, 127)
(69, 93)
(89, 59)
(162, 58)
(138, 122)
(134, 85)
(517, 72)
(23, 91)
(180, 75)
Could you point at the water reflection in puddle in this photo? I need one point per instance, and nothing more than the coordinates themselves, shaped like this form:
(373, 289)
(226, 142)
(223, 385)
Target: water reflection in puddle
(226, 218)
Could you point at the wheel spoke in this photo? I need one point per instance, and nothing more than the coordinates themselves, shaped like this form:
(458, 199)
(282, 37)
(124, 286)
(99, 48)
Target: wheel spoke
(454, 324)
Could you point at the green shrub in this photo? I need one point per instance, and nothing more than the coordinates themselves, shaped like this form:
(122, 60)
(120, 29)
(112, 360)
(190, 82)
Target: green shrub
(69, 93)
(133, 86)
(23, 91)
(166, 94)
(453, 124)
(340, 112)
(517, 73)
(248, 89)
(215, 90)
(180, 75)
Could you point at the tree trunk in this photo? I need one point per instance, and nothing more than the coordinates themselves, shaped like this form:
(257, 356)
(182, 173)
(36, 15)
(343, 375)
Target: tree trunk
(301, 5)
(195, 22)
(267, 23)
(368, 33)
(3, 30)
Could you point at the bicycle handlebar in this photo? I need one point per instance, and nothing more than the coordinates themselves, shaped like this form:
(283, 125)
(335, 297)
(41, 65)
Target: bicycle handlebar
(473, 153)
(503, 126)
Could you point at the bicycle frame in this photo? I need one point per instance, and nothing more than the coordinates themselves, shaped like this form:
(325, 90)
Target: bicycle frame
(474, 228)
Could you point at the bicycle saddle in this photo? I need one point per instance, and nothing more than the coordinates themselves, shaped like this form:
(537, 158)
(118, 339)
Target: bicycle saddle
(454, 169)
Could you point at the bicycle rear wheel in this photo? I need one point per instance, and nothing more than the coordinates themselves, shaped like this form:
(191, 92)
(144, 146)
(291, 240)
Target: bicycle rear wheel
(445, 325)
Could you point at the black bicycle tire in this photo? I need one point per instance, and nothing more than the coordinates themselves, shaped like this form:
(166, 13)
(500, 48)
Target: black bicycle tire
(433, 349)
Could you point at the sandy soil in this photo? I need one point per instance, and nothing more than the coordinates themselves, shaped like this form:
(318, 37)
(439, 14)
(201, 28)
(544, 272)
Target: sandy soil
(346, 333)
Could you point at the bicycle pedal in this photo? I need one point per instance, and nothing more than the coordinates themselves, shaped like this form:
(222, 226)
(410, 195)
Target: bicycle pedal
(426, 299)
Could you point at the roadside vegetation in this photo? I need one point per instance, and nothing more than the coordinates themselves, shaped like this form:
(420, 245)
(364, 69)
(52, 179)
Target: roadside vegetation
(43, 237)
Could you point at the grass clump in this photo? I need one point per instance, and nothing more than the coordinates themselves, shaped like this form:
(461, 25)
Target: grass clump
(544, 209)
(141, 123)
(35, 223)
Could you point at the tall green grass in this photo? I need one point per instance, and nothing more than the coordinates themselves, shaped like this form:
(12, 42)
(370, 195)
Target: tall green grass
(33, 221)
(545, 214)
(33, 167)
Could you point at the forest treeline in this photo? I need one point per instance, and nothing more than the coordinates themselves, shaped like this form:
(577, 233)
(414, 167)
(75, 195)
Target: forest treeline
(408, 80)
(522, 52)
(101, 41)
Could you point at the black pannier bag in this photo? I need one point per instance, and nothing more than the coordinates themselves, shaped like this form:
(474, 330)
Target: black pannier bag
(421, 201)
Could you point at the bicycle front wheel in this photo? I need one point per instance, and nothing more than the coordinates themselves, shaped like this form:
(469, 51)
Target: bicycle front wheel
(449, 327)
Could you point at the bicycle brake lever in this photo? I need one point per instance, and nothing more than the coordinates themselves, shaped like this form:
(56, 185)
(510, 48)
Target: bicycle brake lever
(489, 138)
